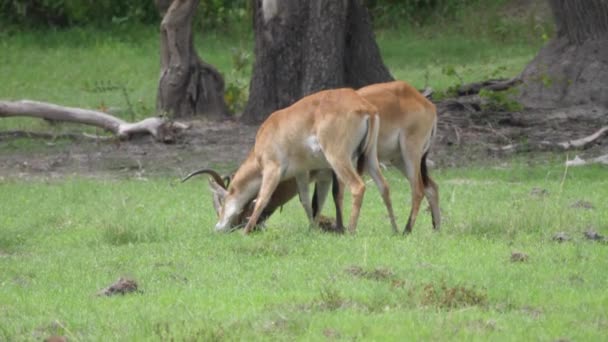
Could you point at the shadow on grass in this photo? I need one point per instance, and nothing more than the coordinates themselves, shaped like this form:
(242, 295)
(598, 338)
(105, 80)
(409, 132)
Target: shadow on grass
(10, 241)
(122, 233)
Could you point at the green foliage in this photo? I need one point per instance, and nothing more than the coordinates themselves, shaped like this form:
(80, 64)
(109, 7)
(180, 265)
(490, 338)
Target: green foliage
(109, 86)
(391, 13)
(216, 14)
(237, 91)
(64, 13)
(221, 14)
(500, 100)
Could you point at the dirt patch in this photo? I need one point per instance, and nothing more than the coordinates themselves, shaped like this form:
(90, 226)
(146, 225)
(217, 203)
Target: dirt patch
(378, 274)
(581, 204)
(121, 286)
(561, 237)
(218, 144)
(452, 297)
(466, 135)
(591, 234)
(519, 257)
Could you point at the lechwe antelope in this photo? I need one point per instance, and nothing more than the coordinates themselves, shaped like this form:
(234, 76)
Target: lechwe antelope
(408, 123)
(407, 128)
(327, 130)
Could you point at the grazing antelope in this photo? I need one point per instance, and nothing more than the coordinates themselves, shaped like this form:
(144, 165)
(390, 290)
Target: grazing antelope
(408, 123)
(327, 130)
(407, 127)
(284, 192)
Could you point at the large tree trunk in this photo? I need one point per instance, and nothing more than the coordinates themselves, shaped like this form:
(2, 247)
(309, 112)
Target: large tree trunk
(302, 47)
(573, 68)
(188, 86)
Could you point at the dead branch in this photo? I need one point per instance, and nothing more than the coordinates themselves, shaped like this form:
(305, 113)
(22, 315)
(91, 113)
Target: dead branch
(427, 92)
(548, 145)
(53, 136)
(583, 142)
(160, 128)
(493, 85)
(578, 161)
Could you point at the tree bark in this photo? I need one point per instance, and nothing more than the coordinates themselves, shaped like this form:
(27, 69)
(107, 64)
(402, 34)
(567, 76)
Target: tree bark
(302, 47)
(187, 86)
(160, 128)
(572, 69)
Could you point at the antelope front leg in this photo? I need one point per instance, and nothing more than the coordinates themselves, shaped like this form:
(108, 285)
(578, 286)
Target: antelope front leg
(270, 179)
(348, 175)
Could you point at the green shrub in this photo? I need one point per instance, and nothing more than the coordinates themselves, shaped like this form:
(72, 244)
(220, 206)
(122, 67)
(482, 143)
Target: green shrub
(67, 13)
(64, 13)
(390, 13)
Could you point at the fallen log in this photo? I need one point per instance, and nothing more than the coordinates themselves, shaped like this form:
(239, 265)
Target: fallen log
(162, 129)
(578, 161)
(53, 136)
(581, 143)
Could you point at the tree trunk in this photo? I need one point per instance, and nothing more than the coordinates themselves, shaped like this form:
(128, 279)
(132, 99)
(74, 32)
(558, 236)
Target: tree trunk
(302, 47)
(573, 68)
(188, 86)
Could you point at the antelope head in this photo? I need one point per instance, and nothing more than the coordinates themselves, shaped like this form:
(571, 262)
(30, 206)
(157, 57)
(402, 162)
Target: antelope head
(219, 186)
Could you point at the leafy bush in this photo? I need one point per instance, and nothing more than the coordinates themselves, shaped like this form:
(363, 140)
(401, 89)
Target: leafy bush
(500, 100)
(417, 12)
(66, 13)
(62, 13)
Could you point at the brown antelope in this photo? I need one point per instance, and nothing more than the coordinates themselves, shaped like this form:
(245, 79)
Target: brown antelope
(407, 127)
(408, 123)
(327, 130)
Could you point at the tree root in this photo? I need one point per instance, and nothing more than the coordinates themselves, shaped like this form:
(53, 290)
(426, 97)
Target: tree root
(493, 85)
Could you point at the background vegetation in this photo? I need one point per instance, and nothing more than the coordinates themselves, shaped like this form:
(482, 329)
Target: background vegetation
(113, 64)
(216, 14)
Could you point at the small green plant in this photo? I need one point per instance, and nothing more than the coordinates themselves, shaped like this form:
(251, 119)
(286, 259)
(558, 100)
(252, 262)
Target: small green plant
(109, 86)
(331, 299)
(450, 71)
(236, 92)
(452, 297)
(500, 100)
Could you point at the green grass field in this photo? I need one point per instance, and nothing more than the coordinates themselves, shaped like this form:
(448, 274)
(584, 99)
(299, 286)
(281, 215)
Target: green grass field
(62, 241)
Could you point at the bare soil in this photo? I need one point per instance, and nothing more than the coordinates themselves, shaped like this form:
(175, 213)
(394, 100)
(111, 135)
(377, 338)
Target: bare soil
(466, 135)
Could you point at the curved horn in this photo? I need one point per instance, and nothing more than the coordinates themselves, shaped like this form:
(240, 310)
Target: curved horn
(216, 177)
(227, 180)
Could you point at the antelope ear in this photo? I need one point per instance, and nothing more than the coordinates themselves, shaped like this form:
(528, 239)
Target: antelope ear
(217, 189)
(217, 205)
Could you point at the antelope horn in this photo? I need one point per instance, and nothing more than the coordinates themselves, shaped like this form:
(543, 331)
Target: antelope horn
(227, 180)
(216, 177)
